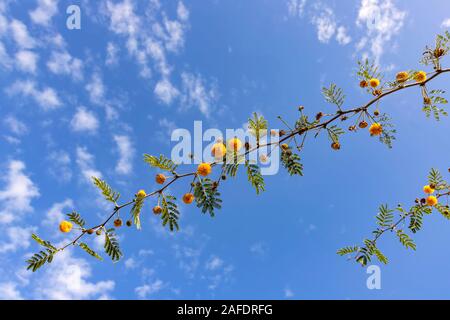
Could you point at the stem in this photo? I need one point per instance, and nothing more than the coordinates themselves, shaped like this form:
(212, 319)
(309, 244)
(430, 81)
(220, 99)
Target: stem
(290, 135)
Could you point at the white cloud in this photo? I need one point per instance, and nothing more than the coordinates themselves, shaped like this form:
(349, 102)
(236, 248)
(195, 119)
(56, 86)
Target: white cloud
(85, 162)
(381, 20)
(59, 166)
(56, 213)
(182, 12)
(446, 23)
(325, 23)
(296, 7)
(15, 125)
(67, 278)
(17, 194)
(18, 238)
(26, 61)
(84, 121)
(62, 63)
(342, 36)
(165, 91)
(46, 98)
(214, 263)
(96, 89)
(145, 44)
(130, 263)
(111, 54)
(148, 289)
(20, 35)
(44, 12)
(5, 60)
(126, 154)
(8, 291)
(195, 93)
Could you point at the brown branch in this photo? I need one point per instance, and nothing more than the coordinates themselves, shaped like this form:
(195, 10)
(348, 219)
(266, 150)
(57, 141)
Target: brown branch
(289, 135)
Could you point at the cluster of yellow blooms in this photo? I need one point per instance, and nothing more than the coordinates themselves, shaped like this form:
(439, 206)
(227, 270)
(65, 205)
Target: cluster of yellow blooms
(219, 150)
(430, 200)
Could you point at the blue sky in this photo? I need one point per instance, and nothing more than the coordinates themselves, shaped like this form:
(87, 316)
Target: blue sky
(76, 103)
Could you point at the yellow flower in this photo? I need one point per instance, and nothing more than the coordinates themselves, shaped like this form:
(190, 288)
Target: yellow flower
(141, 194)
(204, 169)
(428, 189)
(375, 129)
(432, 201)
(218, 150)
(420, 76)
(235, 144)
(65, 226)
(402, 76)
(374, 82)
(160, 178)
(188, 198)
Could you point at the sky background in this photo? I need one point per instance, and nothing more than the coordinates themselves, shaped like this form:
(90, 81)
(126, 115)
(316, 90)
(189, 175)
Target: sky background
(77, 103)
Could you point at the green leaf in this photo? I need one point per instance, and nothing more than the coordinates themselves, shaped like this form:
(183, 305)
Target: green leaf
(333, 95)
(255, 177)
(206, 196)
(347, 250)
(76, 218)
(405, 240)
(111, 246)
(380, 256)
(385, 216)
(257, 126)
(160, 162)
(291, 161)
(86, 248)
(43, 243)
(136, 211)
(39, 259)
(106, 190)
(334, 132)
(170, 213)
(435, 177)
(416, 217)
(368, 70)
(388, 135)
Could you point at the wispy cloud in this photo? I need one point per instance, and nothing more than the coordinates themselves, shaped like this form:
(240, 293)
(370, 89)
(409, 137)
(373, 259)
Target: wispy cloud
(18, 192)
(126, 154)
(46, 97)
(84, 121)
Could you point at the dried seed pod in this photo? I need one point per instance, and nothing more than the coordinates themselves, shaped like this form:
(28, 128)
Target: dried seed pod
(335, 146)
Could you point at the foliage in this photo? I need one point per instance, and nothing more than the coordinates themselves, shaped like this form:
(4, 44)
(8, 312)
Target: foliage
(86, 248)
(170, 213)
(136, 211)
(400, 221)
(108, 193)
(430, 105)
(76, 218)
(257, 126)
(37, 260)
(111, 245)
(334, 95)
(388, 134)
(255, 177)
(207, 196)
(160, 162)
(291, 161)
(386, 222)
